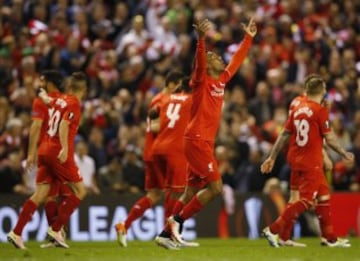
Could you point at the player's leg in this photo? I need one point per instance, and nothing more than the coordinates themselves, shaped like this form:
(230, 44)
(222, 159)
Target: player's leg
(309, 186)
(203, 171)
(154, 185)
(67, 173)
(285, 234)
(323, 212)
(27, 211)
(51, 204)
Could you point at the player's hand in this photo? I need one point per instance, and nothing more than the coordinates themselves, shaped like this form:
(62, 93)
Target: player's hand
(267, 166)
(30, 162)
(349, 156)
(202, 27)
(44, 96)
(250, 28)
(63, 154)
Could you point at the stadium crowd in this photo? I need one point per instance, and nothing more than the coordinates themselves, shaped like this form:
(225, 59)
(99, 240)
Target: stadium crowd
(127, 47)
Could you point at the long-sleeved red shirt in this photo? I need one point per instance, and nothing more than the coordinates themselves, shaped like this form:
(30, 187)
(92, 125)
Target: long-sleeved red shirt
(208, 93)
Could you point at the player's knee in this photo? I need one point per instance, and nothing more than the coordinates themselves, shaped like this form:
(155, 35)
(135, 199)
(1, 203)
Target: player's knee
(155, 196)
(38, 198)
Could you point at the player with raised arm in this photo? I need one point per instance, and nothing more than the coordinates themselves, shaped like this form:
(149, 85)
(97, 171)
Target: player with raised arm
(305, 129)
(52, 82)
(154, 179)
(208, 83)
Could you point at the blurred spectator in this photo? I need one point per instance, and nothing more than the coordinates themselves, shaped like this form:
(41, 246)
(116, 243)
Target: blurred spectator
(11, 140)
(11, 177)
(110, 175)
(86, 166)
(132, 170)
(97, 149)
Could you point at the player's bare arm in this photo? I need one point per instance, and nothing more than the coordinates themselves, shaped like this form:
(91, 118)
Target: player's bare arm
(250, 28)
(202, 27)
(333, 143)
(63, 135)
(34, 135)
(328, 164)
(267, 166)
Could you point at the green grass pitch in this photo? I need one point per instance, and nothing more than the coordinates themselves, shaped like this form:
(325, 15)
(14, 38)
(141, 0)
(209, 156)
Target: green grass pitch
(210, 249)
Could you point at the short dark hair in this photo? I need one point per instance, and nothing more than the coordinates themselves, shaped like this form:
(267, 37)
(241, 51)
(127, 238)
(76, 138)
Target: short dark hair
(77, 81)
(55, 77)
(314, 84)
(173, 76)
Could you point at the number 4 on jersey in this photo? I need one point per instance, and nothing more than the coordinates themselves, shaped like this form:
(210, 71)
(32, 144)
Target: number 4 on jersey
(172, 113)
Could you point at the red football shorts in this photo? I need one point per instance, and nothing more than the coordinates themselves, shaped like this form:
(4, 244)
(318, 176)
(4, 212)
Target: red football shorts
(54, 169)
(154, 178)
(294, 180)
(312, 184)
(202, 166)
(174, 169)
(58, 188)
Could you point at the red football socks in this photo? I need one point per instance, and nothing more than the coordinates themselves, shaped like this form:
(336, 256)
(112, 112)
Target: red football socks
(191, 208)
(290, 214)
(138, 210)
(178, 206)
(66, 208)
(25, 216)
(323, 213)
(51, 211)
(285, 234)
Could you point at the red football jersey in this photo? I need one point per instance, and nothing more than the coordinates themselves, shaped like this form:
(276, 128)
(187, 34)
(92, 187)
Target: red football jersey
(174, 117)
(156, 102)
(307, 124)
(68, 108)
(208, 93)
(40, 111)
(296, 102)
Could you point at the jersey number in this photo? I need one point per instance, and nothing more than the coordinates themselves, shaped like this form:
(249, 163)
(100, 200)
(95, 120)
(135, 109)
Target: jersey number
(54, 119)
(172, 113)
(302, 132)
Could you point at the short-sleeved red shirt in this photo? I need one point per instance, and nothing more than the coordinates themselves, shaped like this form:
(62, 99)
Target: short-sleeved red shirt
(149, 136)
(174, 117)
(307, 124)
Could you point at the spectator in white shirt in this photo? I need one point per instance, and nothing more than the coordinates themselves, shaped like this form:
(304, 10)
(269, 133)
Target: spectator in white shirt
(86, 166)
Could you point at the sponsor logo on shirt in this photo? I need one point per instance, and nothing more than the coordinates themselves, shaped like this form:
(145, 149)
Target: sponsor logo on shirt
(217, 92)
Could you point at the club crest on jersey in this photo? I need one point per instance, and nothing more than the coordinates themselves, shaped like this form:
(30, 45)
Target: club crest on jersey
(327, 124)
(211, 167)
(215, 91)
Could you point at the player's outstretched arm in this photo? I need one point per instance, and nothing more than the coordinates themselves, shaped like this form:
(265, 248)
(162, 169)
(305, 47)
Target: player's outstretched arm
(64, 140)
(201, 29)
(267, 166)
(243, 49)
